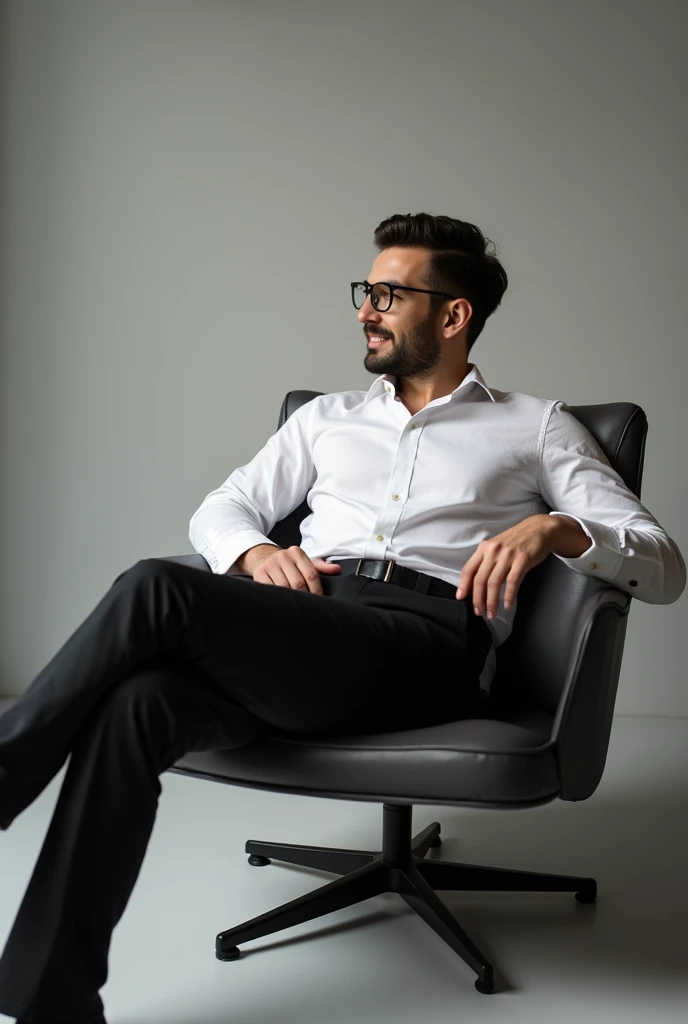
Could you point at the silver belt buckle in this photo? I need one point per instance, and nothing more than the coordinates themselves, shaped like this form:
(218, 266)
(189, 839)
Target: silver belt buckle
(390, 568)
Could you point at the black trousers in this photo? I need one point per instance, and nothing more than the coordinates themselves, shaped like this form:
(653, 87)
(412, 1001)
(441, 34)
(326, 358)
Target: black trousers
(174, 659)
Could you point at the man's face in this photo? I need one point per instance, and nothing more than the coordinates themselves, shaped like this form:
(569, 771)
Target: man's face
(411, 346)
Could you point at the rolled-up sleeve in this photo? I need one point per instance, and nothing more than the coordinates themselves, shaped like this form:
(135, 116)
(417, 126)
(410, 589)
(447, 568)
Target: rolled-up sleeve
(628, 547)
(243, 510)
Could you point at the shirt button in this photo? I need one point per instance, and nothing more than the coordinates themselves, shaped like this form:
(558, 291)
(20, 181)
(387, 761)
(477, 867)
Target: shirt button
(380, 537)
(396, 497)
(415, 426)
(593, 565)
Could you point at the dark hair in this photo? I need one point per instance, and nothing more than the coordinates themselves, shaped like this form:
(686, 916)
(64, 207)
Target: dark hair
(459, 262)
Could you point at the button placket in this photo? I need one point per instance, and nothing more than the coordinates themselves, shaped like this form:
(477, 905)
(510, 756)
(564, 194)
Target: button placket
(401, 472)
(390, 514)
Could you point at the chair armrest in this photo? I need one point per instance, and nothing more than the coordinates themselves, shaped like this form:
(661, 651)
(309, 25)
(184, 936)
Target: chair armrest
(583, 722)
(564, 657)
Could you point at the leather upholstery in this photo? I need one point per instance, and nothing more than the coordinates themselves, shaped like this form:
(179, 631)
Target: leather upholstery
(544, 731)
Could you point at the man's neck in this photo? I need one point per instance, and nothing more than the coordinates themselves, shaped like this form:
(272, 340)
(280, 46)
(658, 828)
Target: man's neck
(416, 398)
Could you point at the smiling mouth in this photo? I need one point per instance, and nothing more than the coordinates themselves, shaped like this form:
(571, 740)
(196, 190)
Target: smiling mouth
(375, 341)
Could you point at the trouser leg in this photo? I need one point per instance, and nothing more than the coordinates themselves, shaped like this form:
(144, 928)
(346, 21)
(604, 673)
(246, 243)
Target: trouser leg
(376, 657)
(142, 619)
(367, 655)
(55, 959)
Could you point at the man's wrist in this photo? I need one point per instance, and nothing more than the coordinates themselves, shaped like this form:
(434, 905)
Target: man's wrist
(569, 539)
(247, 562)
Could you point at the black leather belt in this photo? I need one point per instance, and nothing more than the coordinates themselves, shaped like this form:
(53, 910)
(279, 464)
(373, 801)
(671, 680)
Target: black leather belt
(388, 571)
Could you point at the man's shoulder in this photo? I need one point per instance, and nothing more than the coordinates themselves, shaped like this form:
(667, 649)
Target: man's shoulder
(334, 400)
(519, 406)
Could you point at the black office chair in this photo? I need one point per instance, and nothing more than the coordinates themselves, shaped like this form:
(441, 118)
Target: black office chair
(543, 733)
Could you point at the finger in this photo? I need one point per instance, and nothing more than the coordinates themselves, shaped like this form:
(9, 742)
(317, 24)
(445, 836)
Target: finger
(483, 574)
(494, 585)
(501, 574)
(296, 580)
(310, 574)
(479, 589)
(494, 582)
(275, 576)
(284, 573)
(513, 582)
(466, 578)
(313, 582)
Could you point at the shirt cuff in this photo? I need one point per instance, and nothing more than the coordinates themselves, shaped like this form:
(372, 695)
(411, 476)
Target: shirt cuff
(226, 550)
(604, 558)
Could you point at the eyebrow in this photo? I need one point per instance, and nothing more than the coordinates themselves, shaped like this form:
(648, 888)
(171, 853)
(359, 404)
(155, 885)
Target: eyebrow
(389, 280)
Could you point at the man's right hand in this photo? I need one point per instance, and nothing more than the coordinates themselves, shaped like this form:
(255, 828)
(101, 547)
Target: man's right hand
(289, 567)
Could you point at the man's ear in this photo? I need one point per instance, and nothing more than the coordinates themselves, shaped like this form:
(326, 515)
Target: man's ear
(459, 314)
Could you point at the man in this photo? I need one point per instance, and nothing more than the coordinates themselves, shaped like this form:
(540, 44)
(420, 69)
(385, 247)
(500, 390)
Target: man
(429, 497)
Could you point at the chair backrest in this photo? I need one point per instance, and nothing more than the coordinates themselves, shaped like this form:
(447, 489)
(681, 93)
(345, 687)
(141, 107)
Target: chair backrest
(533, 664)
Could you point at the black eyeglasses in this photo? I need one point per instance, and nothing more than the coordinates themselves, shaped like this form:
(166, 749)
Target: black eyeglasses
(382, 293)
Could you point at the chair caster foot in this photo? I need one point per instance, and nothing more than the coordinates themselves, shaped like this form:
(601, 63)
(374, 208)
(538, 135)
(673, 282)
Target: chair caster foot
(258, 861)
(436, 841)
(231, 953)
(485, 984)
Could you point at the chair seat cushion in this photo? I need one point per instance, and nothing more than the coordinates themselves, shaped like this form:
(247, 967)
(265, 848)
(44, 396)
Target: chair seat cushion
(476, 761)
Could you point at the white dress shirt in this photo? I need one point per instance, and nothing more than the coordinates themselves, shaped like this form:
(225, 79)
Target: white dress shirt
(425, 489)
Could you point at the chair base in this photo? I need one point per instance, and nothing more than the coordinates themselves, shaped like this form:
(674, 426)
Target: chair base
(400, 868)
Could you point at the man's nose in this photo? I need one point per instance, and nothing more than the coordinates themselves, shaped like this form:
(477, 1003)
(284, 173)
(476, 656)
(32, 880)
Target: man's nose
(368, 311)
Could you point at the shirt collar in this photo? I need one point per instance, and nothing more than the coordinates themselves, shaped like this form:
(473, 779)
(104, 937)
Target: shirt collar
(474, 376)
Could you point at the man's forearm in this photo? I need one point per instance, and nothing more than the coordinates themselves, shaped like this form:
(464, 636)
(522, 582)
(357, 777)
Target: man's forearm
(569, 540)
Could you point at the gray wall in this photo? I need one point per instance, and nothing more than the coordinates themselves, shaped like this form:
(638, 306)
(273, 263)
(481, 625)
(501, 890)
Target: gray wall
(187, 190)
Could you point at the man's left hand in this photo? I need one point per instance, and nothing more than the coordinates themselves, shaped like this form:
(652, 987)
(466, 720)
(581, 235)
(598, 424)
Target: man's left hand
(507, 558)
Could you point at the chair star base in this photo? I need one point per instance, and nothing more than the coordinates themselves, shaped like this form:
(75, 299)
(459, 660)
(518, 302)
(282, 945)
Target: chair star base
(400, 867)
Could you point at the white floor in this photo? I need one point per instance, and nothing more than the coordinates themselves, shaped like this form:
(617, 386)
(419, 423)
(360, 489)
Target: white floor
(623, 959)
